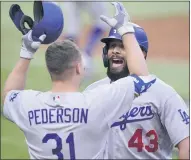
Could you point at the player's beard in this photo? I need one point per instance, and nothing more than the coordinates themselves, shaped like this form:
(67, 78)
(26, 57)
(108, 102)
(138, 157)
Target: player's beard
(115, 75)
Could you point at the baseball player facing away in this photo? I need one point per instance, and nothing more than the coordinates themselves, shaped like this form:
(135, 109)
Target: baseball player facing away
(158, 119)
(63, 123)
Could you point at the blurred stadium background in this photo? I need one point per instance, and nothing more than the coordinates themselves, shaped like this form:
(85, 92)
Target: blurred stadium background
(167, 26)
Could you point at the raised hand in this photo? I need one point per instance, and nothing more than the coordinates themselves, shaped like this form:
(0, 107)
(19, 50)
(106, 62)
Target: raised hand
(29, 47)
(121, 20)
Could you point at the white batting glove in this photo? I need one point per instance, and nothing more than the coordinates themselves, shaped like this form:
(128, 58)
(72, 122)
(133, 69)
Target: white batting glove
(29, 47)
(121, 20)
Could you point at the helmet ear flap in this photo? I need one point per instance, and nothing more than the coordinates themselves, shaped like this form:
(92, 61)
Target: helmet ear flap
(105, 56)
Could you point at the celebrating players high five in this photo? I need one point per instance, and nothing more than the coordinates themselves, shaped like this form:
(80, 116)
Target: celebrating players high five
(64, 123)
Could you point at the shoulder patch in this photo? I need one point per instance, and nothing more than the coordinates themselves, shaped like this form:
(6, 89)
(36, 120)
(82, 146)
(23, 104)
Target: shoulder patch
(13, 96)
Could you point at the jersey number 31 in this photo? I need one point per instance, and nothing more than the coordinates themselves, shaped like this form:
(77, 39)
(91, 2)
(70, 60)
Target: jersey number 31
(57, 150)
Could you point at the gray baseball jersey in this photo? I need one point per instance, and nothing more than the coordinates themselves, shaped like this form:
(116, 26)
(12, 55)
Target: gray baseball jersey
(69, 125)
(157, 121)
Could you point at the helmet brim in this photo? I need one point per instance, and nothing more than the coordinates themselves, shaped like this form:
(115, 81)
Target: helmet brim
(109, 39)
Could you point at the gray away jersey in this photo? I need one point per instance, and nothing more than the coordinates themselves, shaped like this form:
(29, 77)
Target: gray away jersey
(69, 125)
(157, 121)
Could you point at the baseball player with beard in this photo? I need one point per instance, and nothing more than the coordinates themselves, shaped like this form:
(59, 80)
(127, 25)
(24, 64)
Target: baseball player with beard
(158, 119)
(63, 123)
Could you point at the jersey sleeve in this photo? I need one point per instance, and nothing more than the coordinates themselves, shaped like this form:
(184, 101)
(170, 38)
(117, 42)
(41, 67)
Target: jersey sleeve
(120, 96)
(122, 93)
(98, 83)
(175, 118)
(12, 105)
(112, 100)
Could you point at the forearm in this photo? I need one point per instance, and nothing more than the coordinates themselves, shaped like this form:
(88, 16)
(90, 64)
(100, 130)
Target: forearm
(134, 56)
(183, 154)
(184, 149)
(17, 78)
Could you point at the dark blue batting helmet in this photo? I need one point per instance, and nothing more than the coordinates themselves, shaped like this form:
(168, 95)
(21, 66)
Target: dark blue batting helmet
(48, 19)
(140, 35)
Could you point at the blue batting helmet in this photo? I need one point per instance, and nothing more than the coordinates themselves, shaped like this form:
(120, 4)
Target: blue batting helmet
(48, 19)
(140, 35)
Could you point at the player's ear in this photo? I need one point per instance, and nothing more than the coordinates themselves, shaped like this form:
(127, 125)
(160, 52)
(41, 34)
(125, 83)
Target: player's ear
(78, 68)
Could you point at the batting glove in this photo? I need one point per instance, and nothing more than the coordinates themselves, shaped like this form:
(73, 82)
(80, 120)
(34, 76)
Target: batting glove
(29, 47)
(121, 20)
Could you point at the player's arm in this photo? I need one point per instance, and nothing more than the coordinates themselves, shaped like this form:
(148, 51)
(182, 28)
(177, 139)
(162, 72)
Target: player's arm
(184, 148)
(175, 118)
(15, 83)
(116, 98)
(98, 83)
(17, 78)
(134, 56)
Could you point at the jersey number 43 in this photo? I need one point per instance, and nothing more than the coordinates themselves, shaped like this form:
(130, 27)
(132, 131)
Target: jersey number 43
(136, 141)
(57, 150)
